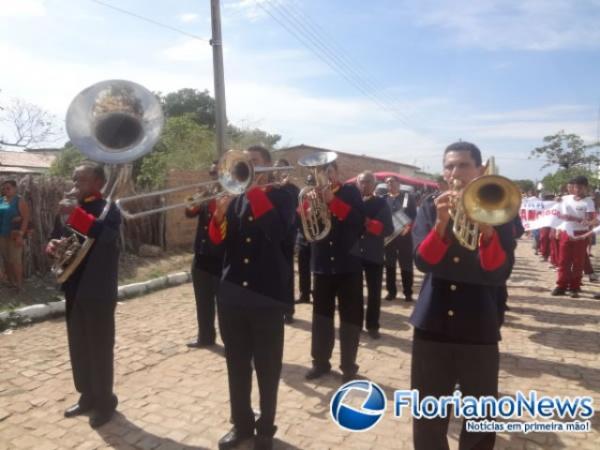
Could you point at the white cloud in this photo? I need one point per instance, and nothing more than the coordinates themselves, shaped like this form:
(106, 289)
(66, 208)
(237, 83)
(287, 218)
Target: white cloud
(22, 8)
(249, 9)
(538, 25)
(191, 50)
(188, 17)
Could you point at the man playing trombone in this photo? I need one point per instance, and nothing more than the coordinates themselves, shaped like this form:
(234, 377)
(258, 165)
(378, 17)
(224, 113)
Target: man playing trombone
(253, 297)
(206, 268)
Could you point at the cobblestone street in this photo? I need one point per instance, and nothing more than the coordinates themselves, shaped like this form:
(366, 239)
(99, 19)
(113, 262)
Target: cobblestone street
(174, 397)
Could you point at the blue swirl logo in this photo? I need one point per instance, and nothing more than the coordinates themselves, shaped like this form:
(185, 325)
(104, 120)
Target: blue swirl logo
(364, 417)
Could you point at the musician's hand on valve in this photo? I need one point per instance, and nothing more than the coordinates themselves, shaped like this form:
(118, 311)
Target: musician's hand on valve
(487, 231)
(327, 194)
(443, 203)
(52, 247)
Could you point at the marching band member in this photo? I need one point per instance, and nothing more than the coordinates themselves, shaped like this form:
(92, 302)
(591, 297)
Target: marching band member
(400, 250)
(378, 225)
(290, 241)
(335, 262)
(577, 211)
(458, 316)
(91, 296)
(252, 299)
(206, 270)
(304, 275)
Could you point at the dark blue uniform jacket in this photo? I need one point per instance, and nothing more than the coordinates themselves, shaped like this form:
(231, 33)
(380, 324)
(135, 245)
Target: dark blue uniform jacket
(459, 299)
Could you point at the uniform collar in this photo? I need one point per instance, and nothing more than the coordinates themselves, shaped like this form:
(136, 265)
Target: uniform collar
(95, 196)
(336, 187)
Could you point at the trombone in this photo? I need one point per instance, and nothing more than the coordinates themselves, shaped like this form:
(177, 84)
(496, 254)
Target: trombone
(236, 173)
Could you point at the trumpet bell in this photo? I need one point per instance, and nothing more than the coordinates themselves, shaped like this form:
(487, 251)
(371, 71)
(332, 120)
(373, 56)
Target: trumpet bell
(317, 159)
(491, 199)
(114, 121)
(236, 172)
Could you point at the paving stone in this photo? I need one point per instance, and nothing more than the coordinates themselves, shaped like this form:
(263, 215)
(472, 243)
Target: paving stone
(173, 397)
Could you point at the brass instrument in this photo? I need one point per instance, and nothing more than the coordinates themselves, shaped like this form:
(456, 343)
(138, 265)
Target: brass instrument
(113, 122)
(236, 173)
(489, 199)
(316, 218)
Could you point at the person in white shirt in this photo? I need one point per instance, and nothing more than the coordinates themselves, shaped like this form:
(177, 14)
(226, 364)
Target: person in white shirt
(577, 213)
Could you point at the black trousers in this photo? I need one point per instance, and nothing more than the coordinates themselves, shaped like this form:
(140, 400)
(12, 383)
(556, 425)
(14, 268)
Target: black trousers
(374, 276)
(435, 370)
(288, 253)
(349, 291)
(91, 336)
(206, 283)
(304, 274)
(399, 252)
(252, 334)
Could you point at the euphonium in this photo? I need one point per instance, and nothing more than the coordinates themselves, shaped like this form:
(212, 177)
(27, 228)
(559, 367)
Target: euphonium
(489, 199)
(113, 122)
(314, 212)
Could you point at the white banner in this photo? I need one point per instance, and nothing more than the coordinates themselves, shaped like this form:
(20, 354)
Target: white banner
(536, 214)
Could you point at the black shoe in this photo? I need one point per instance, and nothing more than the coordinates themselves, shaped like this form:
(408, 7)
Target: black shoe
(77, 410)
(316, 372)
(199, 344)
(575, 294)
(233, 438)
(390, 297)
(408, 299)
(558, 291)
(288, 319)
(596, 296)
(374, 334)
(99, 418)
(263, 442)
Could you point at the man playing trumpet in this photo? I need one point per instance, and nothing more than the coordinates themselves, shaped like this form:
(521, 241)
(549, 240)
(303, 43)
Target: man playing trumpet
(458, 316)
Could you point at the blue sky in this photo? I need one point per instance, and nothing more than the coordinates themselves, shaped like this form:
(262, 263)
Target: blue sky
(500, 73)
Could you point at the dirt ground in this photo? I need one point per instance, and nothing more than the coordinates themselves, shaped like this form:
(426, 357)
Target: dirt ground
(132, 269)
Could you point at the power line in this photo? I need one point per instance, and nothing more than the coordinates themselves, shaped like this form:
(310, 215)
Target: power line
(321, 51)
(152, 21)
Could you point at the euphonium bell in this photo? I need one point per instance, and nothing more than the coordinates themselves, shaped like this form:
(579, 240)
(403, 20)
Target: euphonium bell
(490, 199)
(315, 218)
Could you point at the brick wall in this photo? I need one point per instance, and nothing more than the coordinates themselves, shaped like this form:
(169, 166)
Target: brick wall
(349, 165)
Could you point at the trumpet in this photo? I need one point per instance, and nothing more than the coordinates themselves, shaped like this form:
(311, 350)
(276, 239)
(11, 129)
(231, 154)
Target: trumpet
(316, 218)
(236, 173)
(489, 199)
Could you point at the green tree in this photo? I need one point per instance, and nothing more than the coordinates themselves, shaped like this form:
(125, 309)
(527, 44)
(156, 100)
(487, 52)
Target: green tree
(566, 151)
(525, 185)
(556, 182)
(199, 105)
(242, 138)
(66, 161)
(184, 144)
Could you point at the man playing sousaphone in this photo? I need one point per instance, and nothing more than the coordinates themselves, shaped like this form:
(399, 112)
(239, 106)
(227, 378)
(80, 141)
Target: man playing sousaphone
(400, 249)
(457, 318)
(91, 294)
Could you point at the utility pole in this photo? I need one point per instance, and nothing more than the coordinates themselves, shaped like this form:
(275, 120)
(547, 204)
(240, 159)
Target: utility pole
(219, 76)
